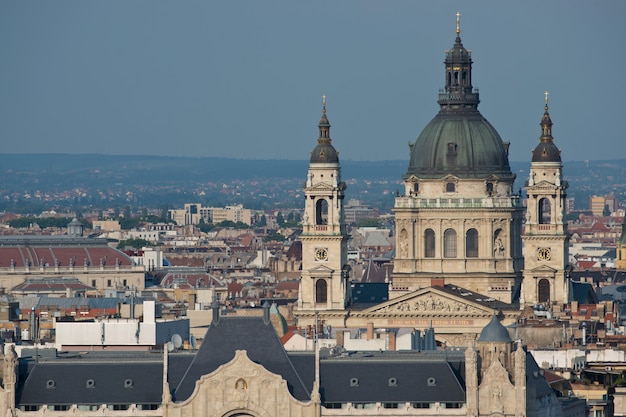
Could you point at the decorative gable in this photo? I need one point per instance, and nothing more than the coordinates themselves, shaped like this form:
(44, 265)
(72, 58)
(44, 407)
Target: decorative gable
(241, 385)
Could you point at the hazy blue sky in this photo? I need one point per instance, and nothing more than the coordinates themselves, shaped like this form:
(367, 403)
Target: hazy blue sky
(245, 78)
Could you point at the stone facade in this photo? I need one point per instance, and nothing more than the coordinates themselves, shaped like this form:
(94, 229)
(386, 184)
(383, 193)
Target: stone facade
(545, 236)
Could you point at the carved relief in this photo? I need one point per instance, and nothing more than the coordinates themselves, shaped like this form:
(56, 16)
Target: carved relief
(431, 304)
(497, 394)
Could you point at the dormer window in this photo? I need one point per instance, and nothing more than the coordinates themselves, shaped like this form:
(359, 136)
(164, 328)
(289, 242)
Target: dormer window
(452, 148)
(450, 187)
(489, 189)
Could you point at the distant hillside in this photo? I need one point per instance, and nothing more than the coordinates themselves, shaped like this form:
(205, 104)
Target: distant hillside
(36, 181)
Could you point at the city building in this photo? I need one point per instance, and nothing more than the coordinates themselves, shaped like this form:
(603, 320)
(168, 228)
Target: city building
(44, 258)
(242, 369)
(194, 213)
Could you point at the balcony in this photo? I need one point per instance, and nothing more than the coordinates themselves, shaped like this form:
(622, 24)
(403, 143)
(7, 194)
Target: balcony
(460, 203)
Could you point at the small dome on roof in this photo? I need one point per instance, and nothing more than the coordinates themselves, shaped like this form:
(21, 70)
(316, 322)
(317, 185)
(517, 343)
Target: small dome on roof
(495, 332)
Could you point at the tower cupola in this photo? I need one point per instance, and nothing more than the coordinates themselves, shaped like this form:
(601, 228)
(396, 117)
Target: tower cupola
(324, 152)
(546, 151)
(458, 93)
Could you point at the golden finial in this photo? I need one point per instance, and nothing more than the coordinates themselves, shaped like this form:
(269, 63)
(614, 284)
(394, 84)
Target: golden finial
(546, 94)
(324, 104)
(458, 23)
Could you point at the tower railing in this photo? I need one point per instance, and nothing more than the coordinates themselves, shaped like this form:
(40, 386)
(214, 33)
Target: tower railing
(461, 203)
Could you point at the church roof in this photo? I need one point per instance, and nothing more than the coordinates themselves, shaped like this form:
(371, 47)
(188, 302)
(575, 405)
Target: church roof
(459, 140)
(546, 150)
(324, 152)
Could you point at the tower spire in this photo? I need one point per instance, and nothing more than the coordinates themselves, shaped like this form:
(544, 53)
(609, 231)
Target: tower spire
(458, 24)
(324, 125)
(546, 123)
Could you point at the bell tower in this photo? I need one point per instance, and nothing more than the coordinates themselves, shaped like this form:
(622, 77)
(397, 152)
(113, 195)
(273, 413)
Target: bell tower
(545, 235)
(323, 284)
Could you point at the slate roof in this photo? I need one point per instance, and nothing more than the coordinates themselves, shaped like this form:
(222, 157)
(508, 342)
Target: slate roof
(494, 331)
(105, 380)
(393, 377)
(255, 336)
(583, 293)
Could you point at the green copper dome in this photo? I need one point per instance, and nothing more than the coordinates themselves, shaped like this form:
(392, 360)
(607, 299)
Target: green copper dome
(459, 140)
(463, 144)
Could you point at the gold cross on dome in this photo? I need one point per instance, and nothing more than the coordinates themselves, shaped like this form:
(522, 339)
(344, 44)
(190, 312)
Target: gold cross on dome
(546, 94)
(458, 23)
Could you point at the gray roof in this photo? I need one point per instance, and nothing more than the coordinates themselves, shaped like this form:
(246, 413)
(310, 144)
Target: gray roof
(257, 338)
(112, 380)
(393, 377)
(494, 331)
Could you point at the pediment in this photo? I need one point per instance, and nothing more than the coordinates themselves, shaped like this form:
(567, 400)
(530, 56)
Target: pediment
(543, 269)
(321, 270)
(543, 184)
(322, 186)
(427, 301)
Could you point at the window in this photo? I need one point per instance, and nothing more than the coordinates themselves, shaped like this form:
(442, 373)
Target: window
(321, 212)
(429, 243)
(449, 243)
(471, 243)
(108, 282)
(60, 407)
(416, 188)
(321, 291)
(544, 291)
(450, 187)
(489, 189)
(544, 211)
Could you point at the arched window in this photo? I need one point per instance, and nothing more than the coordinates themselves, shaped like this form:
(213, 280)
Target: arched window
(321, 291)
(544, 291)
(449, 243)
(450, 187)
(489, 189)
(429, 243)
(321, 212)
(544, 211)
(471, 243)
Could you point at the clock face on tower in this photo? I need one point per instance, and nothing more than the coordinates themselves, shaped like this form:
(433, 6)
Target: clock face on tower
(544, 254)
(321, 254)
